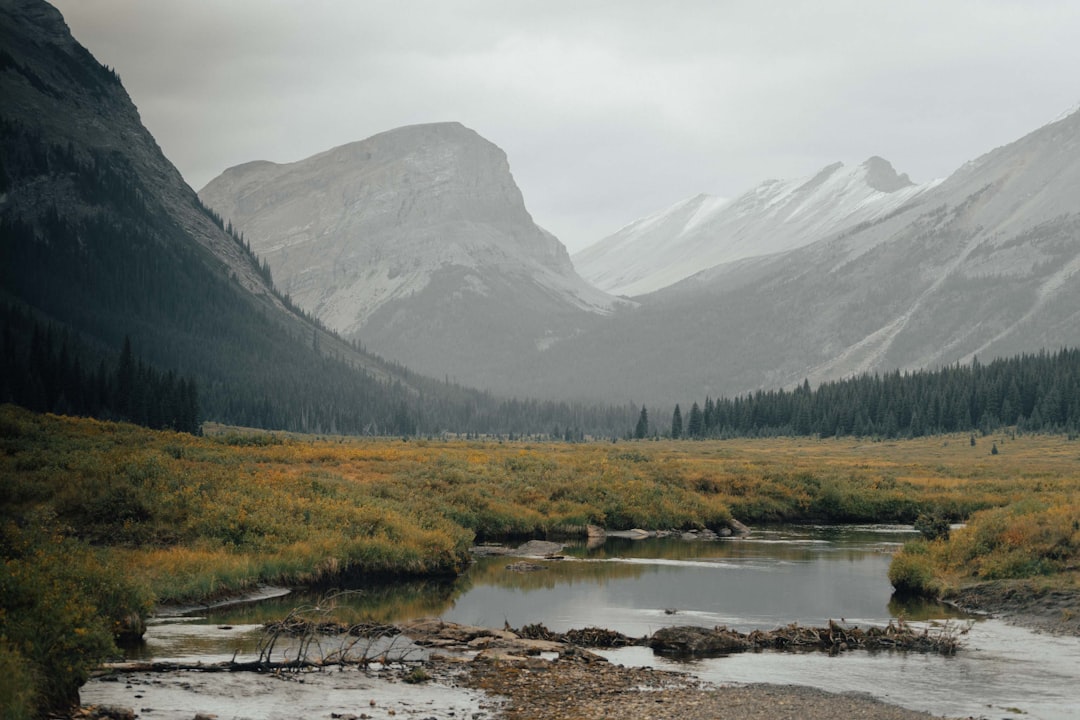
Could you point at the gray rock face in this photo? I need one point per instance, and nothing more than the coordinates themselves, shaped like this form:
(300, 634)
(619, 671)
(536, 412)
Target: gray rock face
(417, 242)
(406, 240)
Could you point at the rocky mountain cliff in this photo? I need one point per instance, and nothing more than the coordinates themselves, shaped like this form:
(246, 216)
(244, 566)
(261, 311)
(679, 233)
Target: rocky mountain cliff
(416, 242)
(777, 215)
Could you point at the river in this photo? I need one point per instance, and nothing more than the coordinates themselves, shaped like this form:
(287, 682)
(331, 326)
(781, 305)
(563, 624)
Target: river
(804, 574)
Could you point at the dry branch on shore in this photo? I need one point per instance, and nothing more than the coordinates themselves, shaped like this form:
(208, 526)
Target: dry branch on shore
(363, 643)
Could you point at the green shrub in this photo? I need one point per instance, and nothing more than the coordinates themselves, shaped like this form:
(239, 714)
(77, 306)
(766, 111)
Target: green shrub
(17, 685)
(933, 525)
(912, 570)
(61, 609)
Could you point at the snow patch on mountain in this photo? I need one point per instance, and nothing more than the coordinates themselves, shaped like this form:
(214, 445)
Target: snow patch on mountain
(777, 215)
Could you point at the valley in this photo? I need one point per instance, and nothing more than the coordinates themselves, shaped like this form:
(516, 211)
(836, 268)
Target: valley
(371, 368)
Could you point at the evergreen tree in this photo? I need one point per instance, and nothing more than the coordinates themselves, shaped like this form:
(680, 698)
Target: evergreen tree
(642, 429)
(124, 382)
(695, 427)
(676, 424)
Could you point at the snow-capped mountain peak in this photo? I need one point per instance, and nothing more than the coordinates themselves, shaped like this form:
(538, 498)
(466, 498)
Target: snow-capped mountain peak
(777, 215)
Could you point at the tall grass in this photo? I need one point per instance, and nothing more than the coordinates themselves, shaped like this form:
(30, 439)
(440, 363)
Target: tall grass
(174, 517)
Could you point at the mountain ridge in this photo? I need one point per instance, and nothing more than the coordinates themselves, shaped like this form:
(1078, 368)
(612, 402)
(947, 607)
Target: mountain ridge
(774, 216)
(986, 263)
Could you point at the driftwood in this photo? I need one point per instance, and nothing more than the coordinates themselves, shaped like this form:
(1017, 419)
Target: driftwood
(299, 626)
(297, 643)
(585, 637)
(833, 638)
(226, 666)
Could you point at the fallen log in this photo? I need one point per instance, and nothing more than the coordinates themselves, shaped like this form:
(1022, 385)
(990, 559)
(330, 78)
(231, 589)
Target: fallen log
(228, 666)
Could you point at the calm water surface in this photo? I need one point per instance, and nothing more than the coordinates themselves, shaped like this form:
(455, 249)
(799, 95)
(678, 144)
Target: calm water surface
(792, 574)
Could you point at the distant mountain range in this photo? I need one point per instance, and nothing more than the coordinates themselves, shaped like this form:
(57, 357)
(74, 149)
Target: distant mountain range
(985, 263)
(777, 215)
(417, 242)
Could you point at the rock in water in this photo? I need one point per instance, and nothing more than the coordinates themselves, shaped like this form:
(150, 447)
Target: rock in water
(686, 641)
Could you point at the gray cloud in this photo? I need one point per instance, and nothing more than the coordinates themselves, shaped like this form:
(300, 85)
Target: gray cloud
(607, 110)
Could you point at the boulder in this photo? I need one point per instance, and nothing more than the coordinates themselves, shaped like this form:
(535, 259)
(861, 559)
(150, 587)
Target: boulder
(538, 548)
(690, 641)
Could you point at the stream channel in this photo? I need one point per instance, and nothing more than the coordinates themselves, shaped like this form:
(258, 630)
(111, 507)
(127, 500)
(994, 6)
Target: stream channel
(778, 575)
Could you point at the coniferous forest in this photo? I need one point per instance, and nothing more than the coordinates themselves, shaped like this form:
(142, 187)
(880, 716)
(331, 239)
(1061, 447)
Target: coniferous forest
(46, 370)
(1034, 392)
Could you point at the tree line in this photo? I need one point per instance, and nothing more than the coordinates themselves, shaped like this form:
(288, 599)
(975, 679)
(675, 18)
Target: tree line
(1037, 392)
(47, 370)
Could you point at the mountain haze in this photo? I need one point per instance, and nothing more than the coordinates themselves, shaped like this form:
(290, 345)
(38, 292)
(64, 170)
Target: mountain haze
(417, 242)
(986, 264)
(704, 231)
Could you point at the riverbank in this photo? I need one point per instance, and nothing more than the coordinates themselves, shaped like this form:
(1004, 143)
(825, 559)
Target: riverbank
(552, 679)
(1026, 603)
(108, 519)
(582, 686)
(473, 672)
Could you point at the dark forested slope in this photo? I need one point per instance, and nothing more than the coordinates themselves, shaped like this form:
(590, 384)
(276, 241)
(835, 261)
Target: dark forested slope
(100, 237)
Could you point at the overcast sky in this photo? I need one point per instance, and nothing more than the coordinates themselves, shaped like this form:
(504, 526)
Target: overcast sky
(607, 110)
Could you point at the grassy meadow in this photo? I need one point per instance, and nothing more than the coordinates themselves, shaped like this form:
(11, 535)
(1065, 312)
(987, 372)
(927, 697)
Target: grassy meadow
(119, 517)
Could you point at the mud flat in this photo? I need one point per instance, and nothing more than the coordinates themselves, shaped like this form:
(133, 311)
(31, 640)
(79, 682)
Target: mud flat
(1054, 610)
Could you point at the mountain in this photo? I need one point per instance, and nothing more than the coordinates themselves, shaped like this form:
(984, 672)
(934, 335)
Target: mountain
(984, 264)
(102, 241)
(416, 242)
(777, 215)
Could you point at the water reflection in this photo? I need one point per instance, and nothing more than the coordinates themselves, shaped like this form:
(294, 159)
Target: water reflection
(804, 574)
(800, 574)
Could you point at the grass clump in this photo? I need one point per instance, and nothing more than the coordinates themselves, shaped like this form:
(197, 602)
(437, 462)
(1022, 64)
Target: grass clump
(1033, 537)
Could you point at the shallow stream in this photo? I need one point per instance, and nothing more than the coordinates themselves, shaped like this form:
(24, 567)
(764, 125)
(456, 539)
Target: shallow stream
(776, 576)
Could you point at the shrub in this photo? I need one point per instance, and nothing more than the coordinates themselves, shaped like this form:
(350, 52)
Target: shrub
(17, 685)
(933, 525)
(912, 570)
(61, 610)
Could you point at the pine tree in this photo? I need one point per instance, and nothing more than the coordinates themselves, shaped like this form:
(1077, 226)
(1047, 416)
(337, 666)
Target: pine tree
(124, 397)
(642, 429)
(676, 424)
(695, 428)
